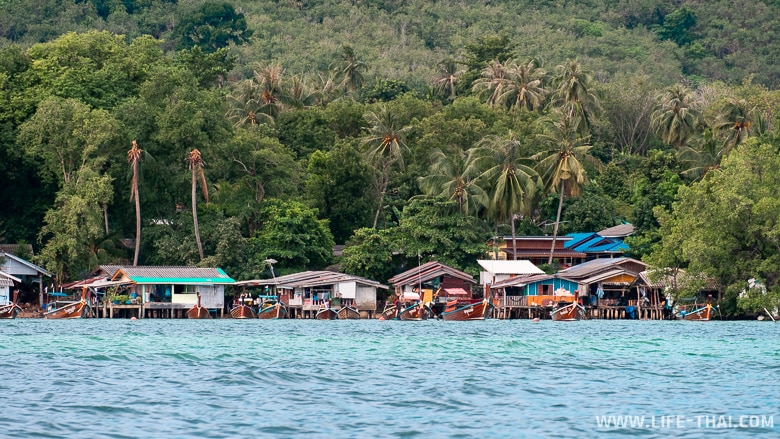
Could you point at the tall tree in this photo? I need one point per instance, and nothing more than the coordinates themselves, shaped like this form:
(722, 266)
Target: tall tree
(734, 122)
(454, 177)
(524, 88)
(562, 164)
(446, 80)
(675, 120)
(349, 71)
(383, 146)
(511, 176)
(574, 94)
(134, 157)
(196, 163)
(492, 84)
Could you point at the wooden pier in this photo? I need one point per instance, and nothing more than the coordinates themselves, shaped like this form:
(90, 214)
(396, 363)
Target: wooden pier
(533, 307)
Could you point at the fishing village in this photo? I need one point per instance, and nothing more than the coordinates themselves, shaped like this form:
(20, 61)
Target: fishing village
(598, 282)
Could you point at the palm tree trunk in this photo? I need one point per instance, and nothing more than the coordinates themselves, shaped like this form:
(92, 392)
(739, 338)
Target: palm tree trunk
(105, 217)
(555, 228)
(137, 216)
(514, 240)
(195, 216)
(383, 188)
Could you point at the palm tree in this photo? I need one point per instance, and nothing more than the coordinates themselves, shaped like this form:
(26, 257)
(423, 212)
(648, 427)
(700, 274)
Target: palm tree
(701, 155)
(454, 177)
(675, 120)
(510, 175)
(562, 164)
(524, 85)
(245, 107)
(272, 96)
(492, 83)
(196, 163)
(384, 147)
(574, 94)
(446, 81)
(734, 123)
(349, 70)
(134, 157)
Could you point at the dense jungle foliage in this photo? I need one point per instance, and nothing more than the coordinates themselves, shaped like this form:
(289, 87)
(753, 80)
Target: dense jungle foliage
(230, 133)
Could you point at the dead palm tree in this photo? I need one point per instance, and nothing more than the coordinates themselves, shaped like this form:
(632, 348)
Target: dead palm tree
(350, 70)
(196, 163)
(134, 157)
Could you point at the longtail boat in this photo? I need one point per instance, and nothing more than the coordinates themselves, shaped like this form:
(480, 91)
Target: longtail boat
(243, 308)
(198, 311)
(348, 313)
(568, 312)
(701, 314)
(388, 313)
(467, 310)
(415, 312)
(11, 310)
(272, 308)
(326, 313)
(70, 310)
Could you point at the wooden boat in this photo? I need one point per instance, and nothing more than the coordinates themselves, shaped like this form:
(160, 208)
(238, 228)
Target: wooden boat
(567, 312)
(243, 308)
(272, 308)
(198, 312)
(388, 313)
(348, 313)
(701, 314)
(11, 310)
(415, 312)
(242, 311)
(70, 310)
(326, 313)
(467, 310)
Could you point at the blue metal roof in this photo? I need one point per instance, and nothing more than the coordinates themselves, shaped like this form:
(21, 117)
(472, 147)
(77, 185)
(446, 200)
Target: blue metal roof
(595, 243)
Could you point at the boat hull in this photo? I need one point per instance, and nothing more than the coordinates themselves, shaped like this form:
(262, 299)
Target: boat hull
(468, 311)
(198, 312)
(9, 311)
(326, 314)
(568, 313)
(702, 314)
(243, 312)
(388, 314)
(348, 313)
(78, 310)
(414, 313)
(275, 311)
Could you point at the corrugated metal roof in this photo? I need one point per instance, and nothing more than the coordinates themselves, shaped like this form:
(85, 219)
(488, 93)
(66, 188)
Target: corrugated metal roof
(150, 274)
(522, 266)
(311, 279)
(539, 253)
(4, 275)
(619, 231)
(428, 271)
(29, 264)
(14, 248)
(595, 266)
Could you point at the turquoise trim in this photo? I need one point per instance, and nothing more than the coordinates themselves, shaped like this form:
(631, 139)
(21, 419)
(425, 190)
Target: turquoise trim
(182, 280)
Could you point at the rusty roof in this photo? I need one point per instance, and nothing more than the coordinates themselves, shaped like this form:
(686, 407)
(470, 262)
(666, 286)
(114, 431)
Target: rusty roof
(308, 279)
(428, 271)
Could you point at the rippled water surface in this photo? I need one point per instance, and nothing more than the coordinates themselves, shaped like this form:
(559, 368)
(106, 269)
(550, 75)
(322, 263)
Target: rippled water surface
(239, 378)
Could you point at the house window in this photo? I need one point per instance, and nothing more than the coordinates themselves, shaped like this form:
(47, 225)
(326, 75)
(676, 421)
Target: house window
(546, 290)
(185, 289)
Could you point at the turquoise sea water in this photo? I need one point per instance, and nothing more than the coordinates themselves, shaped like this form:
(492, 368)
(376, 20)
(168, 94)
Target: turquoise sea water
(504, 379)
